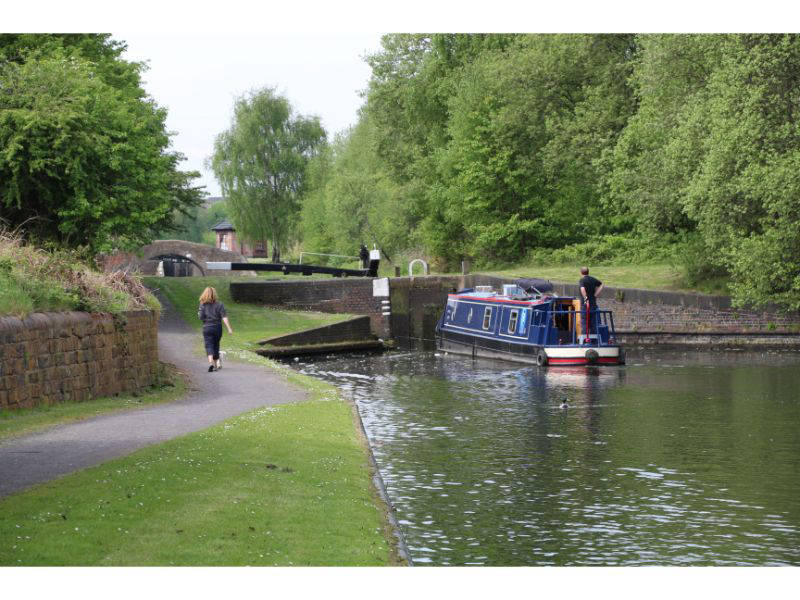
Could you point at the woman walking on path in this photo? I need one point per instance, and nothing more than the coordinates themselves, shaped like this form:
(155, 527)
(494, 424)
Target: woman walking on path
(212, 314)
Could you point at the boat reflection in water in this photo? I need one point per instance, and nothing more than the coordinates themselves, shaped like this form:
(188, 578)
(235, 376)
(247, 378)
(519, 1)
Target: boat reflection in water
(582, 378)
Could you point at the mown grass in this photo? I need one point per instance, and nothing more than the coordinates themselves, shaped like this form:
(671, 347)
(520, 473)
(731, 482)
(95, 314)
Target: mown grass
(251, 323)
(654, 276)
(287, 485)
(18, 422)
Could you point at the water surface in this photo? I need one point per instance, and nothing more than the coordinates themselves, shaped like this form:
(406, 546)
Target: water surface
(674, 459)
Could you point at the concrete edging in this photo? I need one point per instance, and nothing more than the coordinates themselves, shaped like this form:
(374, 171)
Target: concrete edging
(377, 480)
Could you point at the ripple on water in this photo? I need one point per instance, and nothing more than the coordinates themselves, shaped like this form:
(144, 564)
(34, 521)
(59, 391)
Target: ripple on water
(664, 464)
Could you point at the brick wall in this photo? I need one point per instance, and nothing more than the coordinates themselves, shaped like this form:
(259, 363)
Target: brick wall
(48, 358)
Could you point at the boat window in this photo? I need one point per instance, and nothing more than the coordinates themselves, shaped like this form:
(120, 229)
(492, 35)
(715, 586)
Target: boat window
(512, 321)
(469, 315)
(487, 317)
(453, 306)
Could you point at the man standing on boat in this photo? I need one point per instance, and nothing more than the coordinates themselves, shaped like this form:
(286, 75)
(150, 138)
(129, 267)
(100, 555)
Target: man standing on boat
(590, 290)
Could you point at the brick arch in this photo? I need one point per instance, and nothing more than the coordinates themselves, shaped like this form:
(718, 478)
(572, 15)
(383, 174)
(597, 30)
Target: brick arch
(201, 253)
(180, 256)
(146, 259)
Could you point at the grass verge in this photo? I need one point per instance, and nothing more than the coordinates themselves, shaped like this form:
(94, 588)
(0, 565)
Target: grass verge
(286, 485)
(14, 423)
(250, 322)
(665, 277)
(649, 277)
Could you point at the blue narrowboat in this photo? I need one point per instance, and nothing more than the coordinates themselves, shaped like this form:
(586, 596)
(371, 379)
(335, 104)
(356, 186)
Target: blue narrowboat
(527, 323)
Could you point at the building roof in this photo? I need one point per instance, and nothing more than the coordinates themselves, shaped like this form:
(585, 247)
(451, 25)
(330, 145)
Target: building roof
(223, 225)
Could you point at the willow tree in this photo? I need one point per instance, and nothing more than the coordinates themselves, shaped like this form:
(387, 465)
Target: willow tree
(260, 163)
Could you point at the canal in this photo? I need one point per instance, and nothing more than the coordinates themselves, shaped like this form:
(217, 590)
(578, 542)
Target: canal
(677, 458)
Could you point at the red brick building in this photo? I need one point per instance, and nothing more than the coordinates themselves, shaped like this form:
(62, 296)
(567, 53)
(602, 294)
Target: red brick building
(227, 240)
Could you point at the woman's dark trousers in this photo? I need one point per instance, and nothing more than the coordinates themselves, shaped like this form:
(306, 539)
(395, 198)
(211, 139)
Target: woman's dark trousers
(211, 337)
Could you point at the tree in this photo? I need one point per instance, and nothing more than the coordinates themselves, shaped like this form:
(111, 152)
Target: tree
(196, 225)
(260, 163)
(530, 129)
(84, 160)
(103, 52)
(745, 195)
(660, 148)
(714, 154)
(351, 198)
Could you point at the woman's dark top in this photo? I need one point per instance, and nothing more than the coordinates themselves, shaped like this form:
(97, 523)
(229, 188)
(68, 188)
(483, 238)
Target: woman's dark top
(211, 314)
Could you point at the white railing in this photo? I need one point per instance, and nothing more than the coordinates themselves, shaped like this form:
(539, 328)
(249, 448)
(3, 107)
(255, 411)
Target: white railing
(321, 254)
(425, 269)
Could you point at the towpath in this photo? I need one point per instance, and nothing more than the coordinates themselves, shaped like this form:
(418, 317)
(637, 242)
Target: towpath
(239, 387)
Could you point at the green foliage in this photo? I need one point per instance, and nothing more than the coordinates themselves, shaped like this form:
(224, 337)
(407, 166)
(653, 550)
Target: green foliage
(260, 162)
(84, 158)
(656, 153)
(196, 224)
(715, 148)
(593, 148)
(608, 249)
(529, 128)
(352, 200)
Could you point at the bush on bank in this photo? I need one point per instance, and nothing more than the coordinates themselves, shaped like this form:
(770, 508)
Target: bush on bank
(34, 280)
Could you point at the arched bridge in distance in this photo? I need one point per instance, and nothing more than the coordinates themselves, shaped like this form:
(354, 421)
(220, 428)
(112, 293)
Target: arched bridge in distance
(178, 251)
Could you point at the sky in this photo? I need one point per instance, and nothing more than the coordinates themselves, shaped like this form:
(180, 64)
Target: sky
(197, 77)
(203, 54)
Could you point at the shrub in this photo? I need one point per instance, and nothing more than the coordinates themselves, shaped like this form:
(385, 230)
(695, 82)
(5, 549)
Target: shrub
(34, 280)
(608, 249)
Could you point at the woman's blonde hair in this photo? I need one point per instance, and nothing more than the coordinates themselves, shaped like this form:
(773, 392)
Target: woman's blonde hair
(209, 296)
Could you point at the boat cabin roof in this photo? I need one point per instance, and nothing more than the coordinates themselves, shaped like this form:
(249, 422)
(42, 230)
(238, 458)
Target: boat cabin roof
(520, 299)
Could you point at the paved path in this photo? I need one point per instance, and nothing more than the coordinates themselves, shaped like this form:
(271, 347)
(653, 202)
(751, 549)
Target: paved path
(237, 388)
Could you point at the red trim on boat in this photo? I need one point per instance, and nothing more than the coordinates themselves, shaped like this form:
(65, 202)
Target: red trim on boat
(606, 360)
(517, 302)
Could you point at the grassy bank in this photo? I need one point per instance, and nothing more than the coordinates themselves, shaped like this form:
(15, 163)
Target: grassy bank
(250, 322)
(287, 485)
(33, 280)
(14, 423)
(652, 277)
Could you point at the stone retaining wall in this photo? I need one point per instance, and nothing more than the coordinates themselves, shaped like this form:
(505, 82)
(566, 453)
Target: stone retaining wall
(48, 358)
(357, 328)
(707, 341)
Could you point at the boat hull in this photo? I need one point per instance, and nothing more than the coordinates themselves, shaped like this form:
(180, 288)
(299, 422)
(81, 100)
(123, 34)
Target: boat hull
(477, 347)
